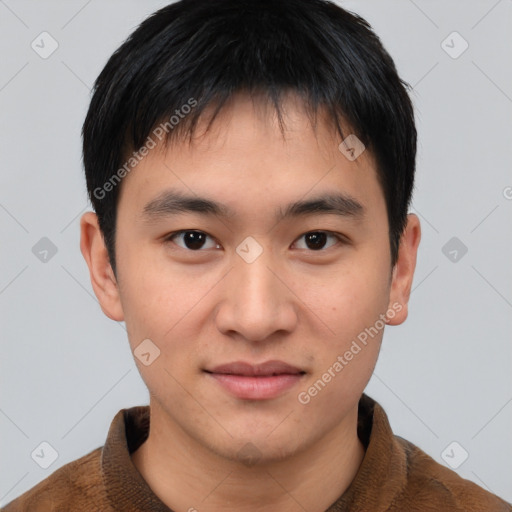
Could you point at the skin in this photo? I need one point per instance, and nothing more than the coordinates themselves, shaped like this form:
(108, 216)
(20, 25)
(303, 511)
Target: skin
(208, 307)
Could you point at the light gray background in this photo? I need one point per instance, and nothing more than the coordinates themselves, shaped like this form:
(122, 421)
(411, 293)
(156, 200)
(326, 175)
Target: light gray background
(443, 376)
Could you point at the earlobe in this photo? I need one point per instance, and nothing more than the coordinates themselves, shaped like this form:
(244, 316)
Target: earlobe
(403, 272)
(102, 277)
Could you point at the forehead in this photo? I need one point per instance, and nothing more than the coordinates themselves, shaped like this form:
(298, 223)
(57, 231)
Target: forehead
(244, 158)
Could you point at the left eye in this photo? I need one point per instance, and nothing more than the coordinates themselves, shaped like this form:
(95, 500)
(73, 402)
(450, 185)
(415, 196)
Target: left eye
(195, 240)
(316, 240)
(192, 240)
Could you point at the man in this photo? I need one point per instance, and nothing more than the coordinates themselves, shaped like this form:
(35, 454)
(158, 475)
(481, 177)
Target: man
(251, 164)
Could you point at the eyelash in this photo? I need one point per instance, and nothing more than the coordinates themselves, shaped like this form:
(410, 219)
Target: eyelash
(339, 237)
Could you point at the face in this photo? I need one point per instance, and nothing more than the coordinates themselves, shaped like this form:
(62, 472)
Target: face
(249, 279)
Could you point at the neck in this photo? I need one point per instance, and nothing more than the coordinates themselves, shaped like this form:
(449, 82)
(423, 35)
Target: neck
(185, 475)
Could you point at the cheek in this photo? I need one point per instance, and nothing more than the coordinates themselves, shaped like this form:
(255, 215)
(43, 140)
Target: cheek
(168, 309)
(350, 304)
(352, 300)
(152, 299)
(346, 355)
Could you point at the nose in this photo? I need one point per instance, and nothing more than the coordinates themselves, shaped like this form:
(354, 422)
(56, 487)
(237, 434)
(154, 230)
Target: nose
(256, 301)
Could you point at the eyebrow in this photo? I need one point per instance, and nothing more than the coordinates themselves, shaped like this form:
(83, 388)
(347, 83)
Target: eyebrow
(171, 202)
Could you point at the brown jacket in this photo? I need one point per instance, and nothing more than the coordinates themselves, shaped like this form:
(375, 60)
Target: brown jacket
(394, 476)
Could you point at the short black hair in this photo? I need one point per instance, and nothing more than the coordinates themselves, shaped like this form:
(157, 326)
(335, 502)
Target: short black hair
(194, 54)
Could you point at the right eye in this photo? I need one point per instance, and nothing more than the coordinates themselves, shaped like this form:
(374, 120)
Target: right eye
(192, 240)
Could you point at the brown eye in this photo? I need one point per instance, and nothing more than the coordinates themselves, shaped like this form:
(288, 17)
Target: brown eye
(316, 240)
(192, 240)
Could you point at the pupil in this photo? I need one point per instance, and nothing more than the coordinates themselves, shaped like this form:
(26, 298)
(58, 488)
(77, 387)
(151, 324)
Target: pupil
(315, 240)
(194, 240)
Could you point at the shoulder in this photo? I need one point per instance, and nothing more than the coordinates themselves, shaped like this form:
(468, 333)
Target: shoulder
(432, 486)
(75, 486)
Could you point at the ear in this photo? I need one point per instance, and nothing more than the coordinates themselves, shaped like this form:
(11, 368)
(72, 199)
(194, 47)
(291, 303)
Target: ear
(102, 276)
(403, 271)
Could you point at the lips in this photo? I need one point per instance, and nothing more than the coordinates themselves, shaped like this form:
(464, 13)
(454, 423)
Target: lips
(256, 381)
(265, 369)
